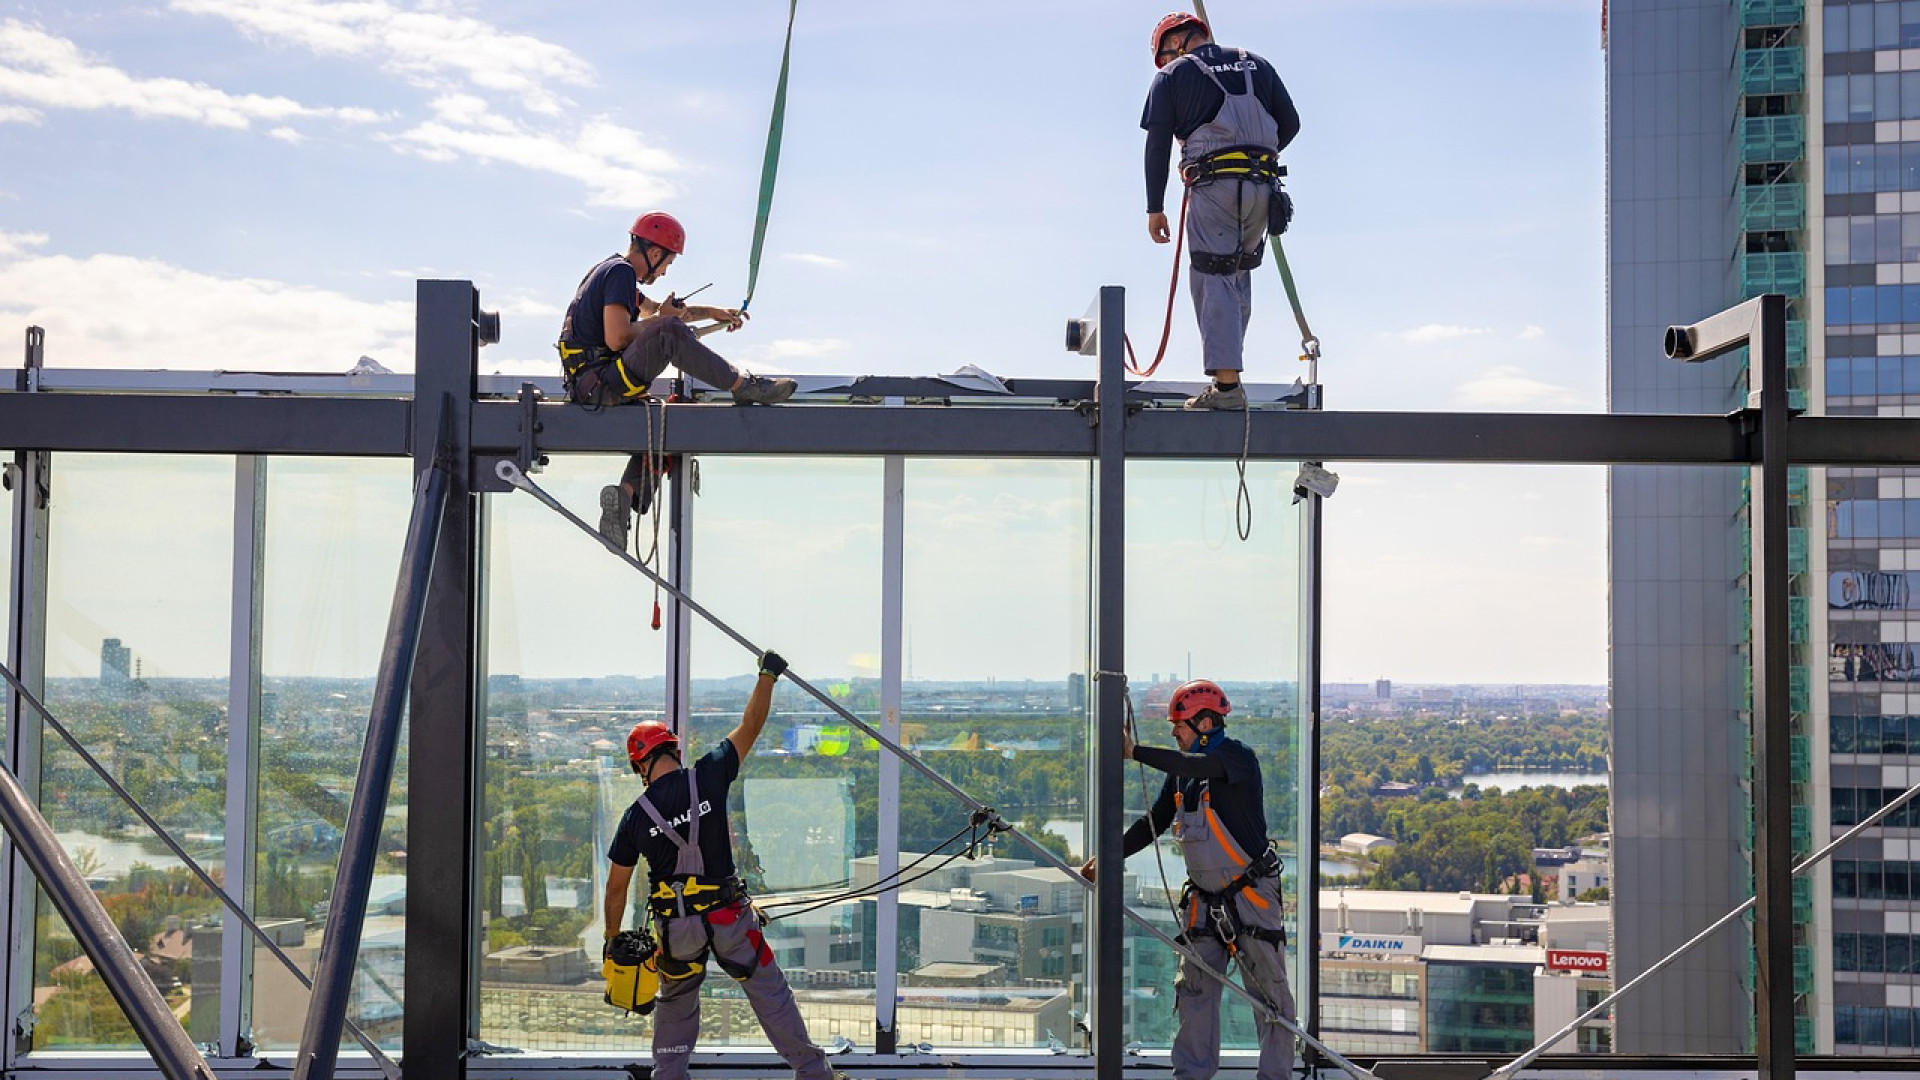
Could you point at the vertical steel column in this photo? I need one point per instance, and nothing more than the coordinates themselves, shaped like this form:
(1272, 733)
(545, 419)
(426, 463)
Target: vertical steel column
(1772, 811)
(30, 477)
(679, 572)
(893, 562)
(243, 754)
(1107, 938)
(1307, 977)
(360, 841)
(443, 767)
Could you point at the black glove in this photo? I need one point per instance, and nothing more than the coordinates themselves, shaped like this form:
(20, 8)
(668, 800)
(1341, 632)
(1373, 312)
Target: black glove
(772, 663)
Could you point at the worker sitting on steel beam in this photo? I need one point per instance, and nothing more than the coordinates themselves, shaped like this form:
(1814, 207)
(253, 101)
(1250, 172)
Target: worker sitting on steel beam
(1212, 798)
(1232, 116)
(700, 908)
(615, 341)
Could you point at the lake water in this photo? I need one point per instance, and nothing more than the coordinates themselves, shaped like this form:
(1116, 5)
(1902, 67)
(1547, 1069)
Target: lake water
(1515, 780)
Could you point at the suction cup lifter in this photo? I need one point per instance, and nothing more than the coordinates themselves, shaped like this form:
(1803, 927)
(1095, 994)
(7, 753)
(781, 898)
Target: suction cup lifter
(486, 325)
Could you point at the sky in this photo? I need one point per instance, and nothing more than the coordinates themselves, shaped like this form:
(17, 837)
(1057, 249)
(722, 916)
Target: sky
(257, 185)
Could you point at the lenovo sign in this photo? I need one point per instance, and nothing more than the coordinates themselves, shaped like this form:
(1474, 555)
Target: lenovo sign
(1574, 960)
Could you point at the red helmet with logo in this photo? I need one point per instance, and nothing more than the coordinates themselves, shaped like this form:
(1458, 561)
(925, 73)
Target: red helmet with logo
(662, 229)
(1196, 697)
(1177, 20)
(649, 737)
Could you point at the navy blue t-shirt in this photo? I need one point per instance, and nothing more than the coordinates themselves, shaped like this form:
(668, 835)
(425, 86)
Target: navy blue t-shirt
(1229, 771)
(638, 836)
(613, 281)
(1182, 98)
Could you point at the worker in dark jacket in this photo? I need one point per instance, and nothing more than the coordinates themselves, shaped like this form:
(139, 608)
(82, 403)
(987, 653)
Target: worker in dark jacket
(1230, 908)
(1232, 116)
(701, 912)
(616, 340)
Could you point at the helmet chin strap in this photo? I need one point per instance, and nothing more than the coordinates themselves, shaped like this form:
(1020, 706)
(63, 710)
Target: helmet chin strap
(646, 252)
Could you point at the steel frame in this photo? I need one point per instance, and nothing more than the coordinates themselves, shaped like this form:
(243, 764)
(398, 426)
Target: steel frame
(1096, 420)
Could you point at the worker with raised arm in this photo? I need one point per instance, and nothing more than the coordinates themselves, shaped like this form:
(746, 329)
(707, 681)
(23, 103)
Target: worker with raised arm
(616, 340)
(699, 908)
(1230, 907)
(1232, 116)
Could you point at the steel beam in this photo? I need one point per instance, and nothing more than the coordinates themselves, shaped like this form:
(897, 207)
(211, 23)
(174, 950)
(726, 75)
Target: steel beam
(893, 561)
(1107, 935)
(443, 769)
(1772, 721)
(176, 424)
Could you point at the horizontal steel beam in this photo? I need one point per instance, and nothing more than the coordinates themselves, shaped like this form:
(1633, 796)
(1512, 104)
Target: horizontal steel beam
(181, 424)
(381, 427)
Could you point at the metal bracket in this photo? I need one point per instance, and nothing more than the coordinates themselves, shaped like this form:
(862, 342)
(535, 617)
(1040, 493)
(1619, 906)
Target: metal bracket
(530, 459)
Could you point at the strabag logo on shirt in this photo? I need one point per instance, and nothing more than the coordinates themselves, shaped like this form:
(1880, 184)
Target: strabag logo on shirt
(705, 809)
(1237, 65)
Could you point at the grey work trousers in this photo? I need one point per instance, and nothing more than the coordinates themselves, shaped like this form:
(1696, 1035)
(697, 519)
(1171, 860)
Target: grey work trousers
(1224, 216)
(657, 342)
(1196, 1004)
(676, 1012)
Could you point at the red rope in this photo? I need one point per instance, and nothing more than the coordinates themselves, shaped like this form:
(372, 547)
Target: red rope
(1173, 284)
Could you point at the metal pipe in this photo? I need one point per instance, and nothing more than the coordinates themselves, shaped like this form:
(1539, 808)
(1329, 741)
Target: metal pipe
(333, 977)
(112, 957)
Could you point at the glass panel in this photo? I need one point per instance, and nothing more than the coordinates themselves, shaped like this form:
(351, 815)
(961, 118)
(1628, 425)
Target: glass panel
(994, 951)
(572, 661)
(138, 587)
(787, 551)
(1467, 797)
(1201, 603)
(332, 545)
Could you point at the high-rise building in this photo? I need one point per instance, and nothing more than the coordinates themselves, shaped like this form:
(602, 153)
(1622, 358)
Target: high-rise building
(1764, 146)
(116, 664)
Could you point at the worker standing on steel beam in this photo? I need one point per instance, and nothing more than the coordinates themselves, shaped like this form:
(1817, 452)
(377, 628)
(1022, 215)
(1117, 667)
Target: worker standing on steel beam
(615, 341)
(1230, 908)
(700, 908)
(1232, 116)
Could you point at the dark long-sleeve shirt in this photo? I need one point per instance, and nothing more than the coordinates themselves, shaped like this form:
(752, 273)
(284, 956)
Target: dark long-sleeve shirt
(1229, 769)
(1182, 98)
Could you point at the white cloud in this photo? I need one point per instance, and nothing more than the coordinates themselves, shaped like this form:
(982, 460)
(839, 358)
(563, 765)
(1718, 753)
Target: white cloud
(1507, 389)
(288, 135)
(178, 318)
(38, 68)
(434, 49)
(803, 348)
(19, 114)
(1437, 332)
(811, 259)
(17, 243)
(1532, 333)
(617, 165)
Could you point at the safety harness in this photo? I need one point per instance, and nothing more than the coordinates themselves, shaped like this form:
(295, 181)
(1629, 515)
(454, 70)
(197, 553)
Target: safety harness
(689, 891)
(1223, 917)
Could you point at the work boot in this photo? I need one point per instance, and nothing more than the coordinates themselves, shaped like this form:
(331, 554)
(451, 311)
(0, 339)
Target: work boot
(760, 390)
(616, 515)
(1225, 398)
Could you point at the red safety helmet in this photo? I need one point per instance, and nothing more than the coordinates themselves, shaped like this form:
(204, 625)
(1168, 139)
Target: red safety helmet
(648, 738)
(1177, 20)
(663, 230)
(1196, 697)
